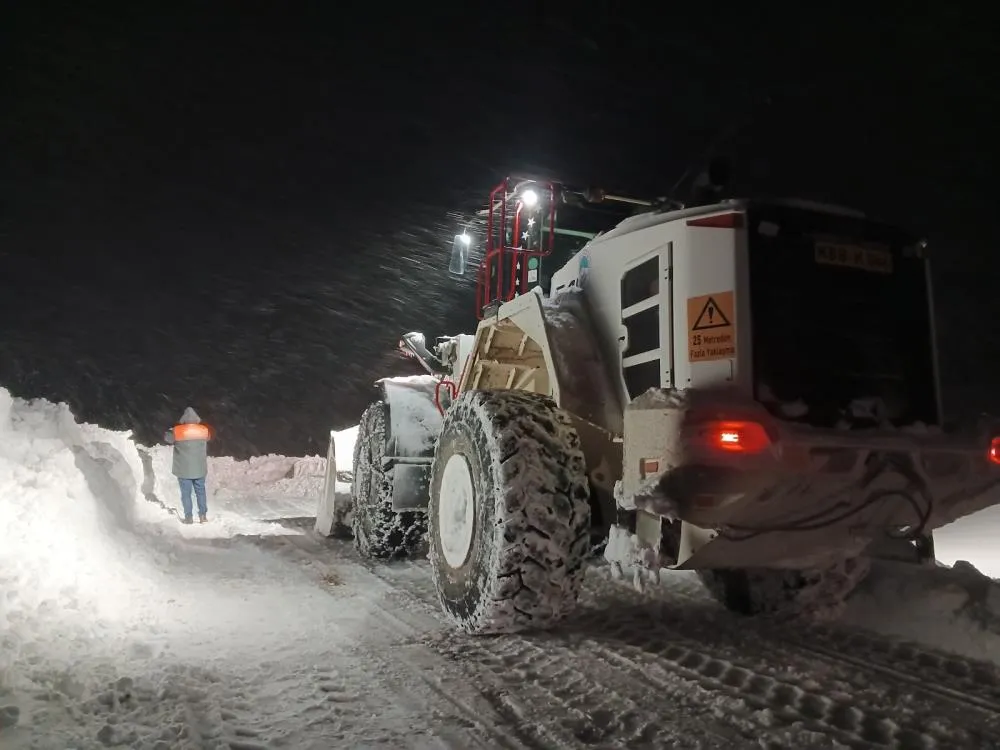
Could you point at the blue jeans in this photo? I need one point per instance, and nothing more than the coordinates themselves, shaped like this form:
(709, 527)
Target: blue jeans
(198, 485)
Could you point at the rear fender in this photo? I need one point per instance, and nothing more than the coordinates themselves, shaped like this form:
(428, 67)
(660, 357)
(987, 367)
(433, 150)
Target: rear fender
(547, 346)
(411, 485)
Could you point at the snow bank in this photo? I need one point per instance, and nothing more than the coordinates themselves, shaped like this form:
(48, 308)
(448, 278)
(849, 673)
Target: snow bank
(70, 561)
(245, 498)
(119, 625)
(278, 473)
(954, 609)
(972, 538)
(79, 543)
(230, 474)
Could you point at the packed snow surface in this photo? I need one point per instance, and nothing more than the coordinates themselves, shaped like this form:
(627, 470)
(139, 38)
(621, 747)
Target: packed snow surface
(119, 627)
(956, 609)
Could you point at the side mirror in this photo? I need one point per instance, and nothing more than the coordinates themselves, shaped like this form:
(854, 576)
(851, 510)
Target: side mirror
(459, 254)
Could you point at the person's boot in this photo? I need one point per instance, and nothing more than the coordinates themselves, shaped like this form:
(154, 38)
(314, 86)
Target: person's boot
(202, 518)
(187, 520)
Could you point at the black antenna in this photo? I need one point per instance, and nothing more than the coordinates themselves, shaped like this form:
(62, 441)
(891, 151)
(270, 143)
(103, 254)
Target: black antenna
(721, 136)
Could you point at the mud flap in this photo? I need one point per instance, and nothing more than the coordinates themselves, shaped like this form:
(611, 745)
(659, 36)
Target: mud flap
(604, 464)
(411, 485)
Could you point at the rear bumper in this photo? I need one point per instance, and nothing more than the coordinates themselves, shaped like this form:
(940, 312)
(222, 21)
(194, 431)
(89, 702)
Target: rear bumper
(810, 494)
(804, 484)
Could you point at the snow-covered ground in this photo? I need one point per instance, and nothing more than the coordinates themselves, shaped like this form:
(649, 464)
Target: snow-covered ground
(121, 627)
(973, 538)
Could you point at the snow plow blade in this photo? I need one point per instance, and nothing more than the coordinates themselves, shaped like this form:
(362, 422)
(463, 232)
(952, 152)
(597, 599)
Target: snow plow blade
(333, 515)
(796, 496)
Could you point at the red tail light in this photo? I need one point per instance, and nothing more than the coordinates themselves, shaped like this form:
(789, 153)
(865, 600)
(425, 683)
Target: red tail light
(994, 454)
(719, 221)
(743, 437)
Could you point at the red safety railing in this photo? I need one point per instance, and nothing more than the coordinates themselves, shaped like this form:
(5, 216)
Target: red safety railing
(504, 271)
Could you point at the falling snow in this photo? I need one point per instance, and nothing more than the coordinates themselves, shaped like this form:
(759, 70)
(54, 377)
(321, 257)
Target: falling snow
(273, 353)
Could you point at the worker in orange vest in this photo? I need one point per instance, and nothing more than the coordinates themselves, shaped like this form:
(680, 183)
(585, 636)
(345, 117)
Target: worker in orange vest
(190, 440)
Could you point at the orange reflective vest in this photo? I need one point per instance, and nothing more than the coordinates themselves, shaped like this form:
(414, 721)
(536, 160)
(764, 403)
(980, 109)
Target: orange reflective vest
(192, 432)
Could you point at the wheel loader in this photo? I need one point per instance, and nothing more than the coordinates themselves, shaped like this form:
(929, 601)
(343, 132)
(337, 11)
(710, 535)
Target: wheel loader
(744, 388)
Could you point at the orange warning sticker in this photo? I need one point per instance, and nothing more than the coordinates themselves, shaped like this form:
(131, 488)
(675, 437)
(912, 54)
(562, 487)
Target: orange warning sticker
(711, 327)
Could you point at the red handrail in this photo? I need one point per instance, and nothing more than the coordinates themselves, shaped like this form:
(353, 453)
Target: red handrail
(510, 284)
(452, 392)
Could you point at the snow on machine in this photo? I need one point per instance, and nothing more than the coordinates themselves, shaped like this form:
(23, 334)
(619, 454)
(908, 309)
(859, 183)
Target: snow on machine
(745, 388)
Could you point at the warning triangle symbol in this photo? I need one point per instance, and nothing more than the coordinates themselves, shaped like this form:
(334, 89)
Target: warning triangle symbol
(710, 317)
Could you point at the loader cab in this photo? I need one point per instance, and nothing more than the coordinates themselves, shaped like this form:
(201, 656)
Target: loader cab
(529, 229)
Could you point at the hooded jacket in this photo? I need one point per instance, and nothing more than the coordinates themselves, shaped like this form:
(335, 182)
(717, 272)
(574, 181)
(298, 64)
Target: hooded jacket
(190, 440)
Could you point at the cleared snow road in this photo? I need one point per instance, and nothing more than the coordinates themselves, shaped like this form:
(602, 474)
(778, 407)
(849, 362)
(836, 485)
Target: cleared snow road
(672, 672)
(121, 628)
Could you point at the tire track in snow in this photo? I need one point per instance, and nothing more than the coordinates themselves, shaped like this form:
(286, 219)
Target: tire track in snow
(925, 683)
(445, 690)
(582, 697)
(781, 711)
(593, 703)
(512, 710)
(889, 692)
(546, 702)
(851, 710)
(966, 683)
(635, 670)
(944, 674)
(791, 701)
(394, 656)
(165, 709)
(965, 676)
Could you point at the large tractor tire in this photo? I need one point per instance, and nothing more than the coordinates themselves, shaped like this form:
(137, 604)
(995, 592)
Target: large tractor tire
(379, 531)
(509, 513)
(812, 594)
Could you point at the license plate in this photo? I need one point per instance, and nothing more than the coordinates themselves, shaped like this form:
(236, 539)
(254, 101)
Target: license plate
(854, 256)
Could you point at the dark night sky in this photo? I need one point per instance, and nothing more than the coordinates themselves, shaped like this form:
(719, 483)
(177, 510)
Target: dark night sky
(243, 210)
